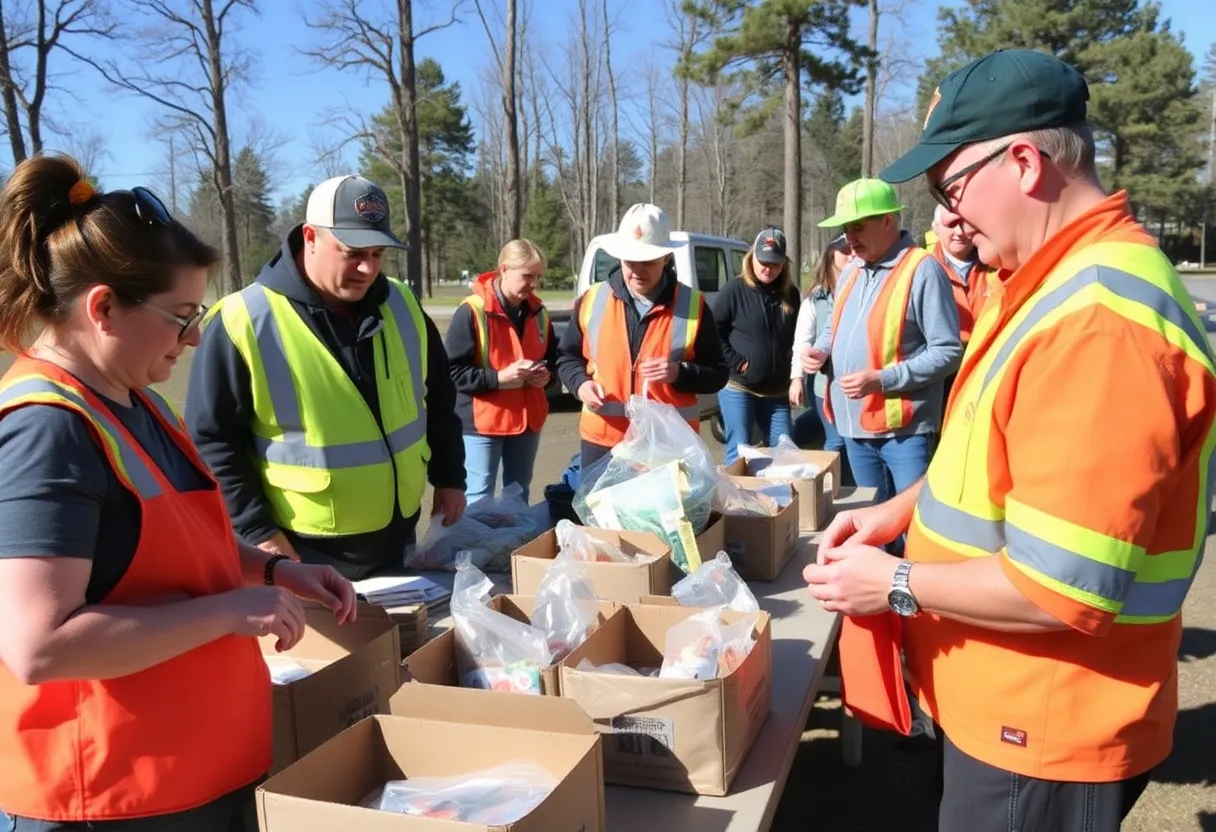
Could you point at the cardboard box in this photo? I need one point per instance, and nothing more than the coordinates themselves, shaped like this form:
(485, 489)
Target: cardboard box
(623, 582)
(356, 672)
(441, 732)
(435, 662)
(665, 733)
(815, 496)
(710, 542)
(760, 547)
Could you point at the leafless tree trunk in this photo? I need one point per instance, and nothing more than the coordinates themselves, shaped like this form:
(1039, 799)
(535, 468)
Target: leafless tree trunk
(871, 102)
(590, 160)
(614, 191)
(194, 106)
(506, 60)
(535, 172)
(51, 23)
(354, 39)
(652, 119)
(792, 70)
(687, 37)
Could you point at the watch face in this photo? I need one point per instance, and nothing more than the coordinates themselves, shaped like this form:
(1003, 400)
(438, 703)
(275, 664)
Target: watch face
(902, 603)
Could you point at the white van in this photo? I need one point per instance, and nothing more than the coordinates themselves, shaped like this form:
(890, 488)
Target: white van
(702, 261)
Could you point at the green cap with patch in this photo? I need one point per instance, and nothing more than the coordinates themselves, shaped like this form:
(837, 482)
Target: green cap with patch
(1010, 91)
(862, 198)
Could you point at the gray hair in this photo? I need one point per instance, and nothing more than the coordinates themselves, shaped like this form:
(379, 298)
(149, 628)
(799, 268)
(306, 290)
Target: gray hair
(1071, 147)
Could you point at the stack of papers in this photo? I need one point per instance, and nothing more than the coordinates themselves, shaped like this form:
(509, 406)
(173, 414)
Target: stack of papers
(401, 590)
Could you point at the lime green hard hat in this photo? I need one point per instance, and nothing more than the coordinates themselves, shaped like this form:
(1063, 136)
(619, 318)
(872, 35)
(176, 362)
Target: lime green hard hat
(863, 198)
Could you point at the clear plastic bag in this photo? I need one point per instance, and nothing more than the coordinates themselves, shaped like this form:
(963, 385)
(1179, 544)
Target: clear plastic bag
(573, 542)
(566, 608)
(715, 584)
(657, 435)
(650, 502)
(285, 670)
(496, 796)
(751, 501)
(785, 461)
(493, 651)
(490, 530)
(585, 666)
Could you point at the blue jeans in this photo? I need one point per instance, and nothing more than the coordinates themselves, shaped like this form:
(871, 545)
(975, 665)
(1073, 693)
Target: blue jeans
(482, 455)
(889, 465)
(741, 410)
(233, 812)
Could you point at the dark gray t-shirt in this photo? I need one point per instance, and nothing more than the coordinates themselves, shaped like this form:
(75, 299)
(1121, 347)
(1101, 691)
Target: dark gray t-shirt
(60, 498)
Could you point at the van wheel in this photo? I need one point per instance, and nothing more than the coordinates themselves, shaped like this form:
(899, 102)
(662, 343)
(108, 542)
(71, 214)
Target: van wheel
(717, 428)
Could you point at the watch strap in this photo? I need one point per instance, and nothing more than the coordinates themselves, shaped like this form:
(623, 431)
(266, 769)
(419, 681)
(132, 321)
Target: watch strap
(271, 563)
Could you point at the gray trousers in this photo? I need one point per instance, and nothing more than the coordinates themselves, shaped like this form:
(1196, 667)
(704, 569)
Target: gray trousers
(234, 812)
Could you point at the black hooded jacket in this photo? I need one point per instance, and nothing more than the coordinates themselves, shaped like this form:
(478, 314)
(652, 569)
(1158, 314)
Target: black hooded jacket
(219, 409)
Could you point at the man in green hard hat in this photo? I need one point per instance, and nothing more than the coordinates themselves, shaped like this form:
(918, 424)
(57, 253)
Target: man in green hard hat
(892, 341)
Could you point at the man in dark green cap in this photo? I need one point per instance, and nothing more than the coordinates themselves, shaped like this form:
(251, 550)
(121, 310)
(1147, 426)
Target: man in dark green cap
(1055, 537)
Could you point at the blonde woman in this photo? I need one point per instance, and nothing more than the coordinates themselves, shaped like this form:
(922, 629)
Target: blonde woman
(756, 314)
(502, 353)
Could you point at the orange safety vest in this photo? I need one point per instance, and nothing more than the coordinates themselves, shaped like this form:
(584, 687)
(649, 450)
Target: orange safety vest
(167, 739)
(671, 332)
(507, 412)
(884, 332)
(969, 297)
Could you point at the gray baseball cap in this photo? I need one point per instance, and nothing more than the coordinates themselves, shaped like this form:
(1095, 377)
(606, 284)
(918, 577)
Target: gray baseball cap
(769, 247)
(355, 211)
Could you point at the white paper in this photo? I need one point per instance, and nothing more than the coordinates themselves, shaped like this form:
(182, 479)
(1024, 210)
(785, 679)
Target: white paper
(402, 589)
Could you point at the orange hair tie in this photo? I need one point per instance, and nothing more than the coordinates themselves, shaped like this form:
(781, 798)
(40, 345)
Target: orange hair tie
(81, 193)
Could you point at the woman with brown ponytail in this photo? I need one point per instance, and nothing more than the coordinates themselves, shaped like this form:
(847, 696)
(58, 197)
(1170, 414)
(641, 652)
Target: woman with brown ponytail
(133, 696)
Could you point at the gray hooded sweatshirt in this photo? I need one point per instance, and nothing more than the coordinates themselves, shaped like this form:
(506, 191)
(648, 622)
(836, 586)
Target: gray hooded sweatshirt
(930, 346)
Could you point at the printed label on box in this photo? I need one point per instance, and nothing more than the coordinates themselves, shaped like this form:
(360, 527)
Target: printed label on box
(737, 551)
(643, 735)
(360, 707)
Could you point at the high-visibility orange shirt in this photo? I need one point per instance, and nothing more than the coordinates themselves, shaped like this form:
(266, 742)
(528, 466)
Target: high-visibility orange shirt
(1100, 435)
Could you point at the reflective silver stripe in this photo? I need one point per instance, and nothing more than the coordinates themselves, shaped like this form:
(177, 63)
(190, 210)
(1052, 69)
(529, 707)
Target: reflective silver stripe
(691, 413)
(1160, 599)
(599, 303)
(160, 404)
(957, 525)
(681, 309)
(1127, 286)
(1068, 567)
(140, 476)
(293, 448)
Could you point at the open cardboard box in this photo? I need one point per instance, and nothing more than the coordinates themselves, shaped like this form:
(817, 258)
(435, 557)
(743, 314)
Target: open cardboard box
(434, 663)
(685, 736)
(815, 495)
(442, 732)
(621, 582)
(356, 670)
(760, 547)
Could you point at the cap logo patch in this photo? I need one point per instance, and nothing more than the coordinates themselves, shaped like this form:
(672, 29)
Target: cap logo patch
(371, 207)
(933, 102)
(769, 241)
(638, 233)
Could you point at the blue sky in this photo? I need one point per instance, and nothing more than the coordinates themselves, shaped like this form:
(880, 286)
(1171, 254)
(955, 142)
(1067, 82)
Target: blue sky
(292, 95)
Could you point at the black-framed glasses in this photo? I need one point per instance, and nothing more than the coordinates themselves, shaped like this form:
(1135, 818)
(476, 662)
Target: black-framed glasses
(149, 208)
(938, 191)
(188, 324)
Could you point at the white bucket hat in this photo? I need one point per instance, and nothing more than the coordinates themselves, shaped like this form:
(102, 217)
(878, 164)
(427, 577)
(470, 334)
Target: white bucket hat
(643, 235)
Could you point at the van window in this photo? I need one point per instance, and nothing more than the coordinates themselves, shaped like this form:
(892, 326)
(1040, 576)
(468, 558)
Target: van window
(736, 262)
(710, 264)
(604, 263)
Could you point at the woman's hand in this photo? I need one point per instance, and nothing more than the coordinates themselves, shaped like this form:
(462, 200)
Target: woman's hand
(797, 393)
(313, 582)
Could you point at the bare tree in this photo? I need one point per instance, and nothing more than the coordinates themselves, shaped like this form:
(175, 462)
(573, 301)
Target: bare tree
(871, 104)
(614, 209)
(650, 124)
(24, 84)
(88, 147)
(506, 61)
(191, 70)
(688, 37)
(353, 38)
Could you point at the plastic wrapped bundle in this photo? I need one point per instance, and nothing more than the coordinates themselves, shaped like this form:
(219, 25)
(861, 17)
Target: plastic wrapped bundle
(490, 530)
(495, 797)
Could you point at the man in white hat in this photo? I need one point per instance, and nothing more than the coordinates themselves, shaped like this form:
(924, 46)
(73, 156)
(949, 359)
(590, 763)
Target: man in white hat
(639, 332)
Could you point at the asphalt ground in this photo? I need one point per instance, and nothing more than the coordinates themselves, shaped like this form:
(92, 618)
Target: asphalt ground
(894, 787)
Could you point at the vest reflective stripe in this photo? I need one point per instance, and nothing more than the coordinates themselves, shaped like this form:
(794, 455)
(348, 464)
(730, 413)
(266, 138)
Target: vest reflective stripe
(618, 409)
(477, 304)
(166, 410)
(293, 448)
(40, 390)
(1080, 563)
(683, 328)
(893, 330)
(593, 315)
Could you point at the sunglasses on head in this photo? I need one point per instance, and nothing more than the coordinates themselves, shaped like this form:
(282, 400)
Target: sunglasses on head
(149, 208)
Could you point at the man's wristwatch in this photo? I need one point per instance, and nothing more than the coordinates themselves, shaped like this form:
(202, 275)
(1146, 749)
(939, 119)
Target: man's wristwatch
(271, 563)
(900, 599)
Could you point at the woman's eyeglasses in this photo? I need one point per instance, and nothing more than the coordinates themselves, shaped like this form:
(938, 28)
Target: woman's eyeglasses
(188, 324)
